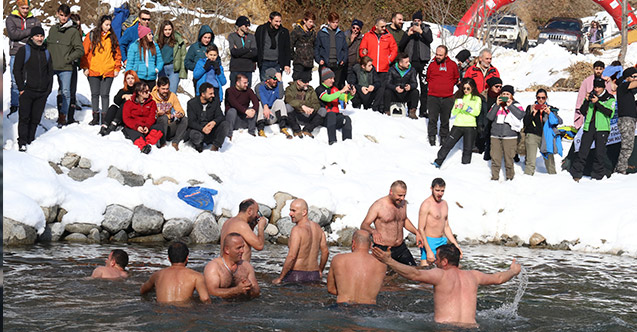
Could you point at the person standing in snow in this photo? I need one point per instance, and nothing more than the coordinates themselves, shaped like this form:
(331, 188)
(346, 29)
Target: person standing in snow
(197, 51)
(144, 57)
(627, 112)
(131, 34)
(540, 122)
(273, 45)
(139, 119)
(19, 24)
(34, 78)
(243, 51)
(482, 70)
(585, 88)
(442, 76)
(302, 39)
(417, 45)
(353, 36)
(330, 49)
(173, 51)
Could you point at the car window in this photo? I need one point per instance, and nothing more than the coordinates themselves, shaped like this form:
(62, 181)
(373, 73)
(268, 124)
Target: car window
(564, 25)
(504, 21)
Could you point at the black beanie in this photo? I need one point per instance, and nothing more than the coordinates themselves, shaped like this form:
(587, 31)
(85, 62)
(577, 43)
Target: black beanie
(463, 55)
(508, 88)
(599, 83)
(494, 81)
(37, 31)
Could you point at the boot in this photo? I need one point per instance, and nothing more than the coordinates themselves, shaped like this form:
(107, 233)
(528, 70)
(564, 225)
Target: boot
(412, 114)
(96, 119)
(153, 137)
(12, 110)
(140, 143)
(307, 133)
(61, 120)
(432, 140)
(299, 134)
(146, 149)
(71, 117)
(214, 148)
(262, 133)
(284, 131)
(176, 145)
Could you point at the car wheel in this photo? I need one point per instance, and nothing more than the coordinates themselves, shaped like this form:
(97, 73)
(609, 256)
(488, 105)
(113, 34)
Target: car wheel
(518, 45)
(526, 46)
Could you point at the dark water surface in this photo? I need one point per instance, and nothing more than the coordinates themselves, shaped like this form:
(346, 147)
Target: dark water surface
(46, 289)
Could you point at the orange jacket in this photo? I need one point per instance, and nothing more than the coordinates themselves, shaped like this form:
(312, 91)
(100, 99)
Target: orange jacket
(101, 63)
(382, 50)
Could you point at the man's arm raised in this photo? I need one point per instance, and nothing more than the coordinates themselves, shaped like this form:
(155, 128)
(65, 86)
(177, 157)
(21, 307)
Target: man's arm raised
(293, 253)
(254, 241)
(371, 216)
(432, 276)
(500, 277)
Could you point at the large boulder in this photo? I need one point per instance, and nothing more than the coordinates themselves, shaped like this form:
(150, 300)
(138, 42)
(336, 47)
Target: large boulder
(94, 236)
(280, 198)
(205, 229)
(285, 225)
(61, 213)
(222, 220)
(322, 216)
(147, 221)
(265, 210)
(70, 160)
(50, 213)
(80, 174)
(344, 237)
(79, 227)
(120, 236)
(117, 218)
(126, 178)
(15, 233)
(52, 232)
(148, 239)
(176, 228)
(76, 237)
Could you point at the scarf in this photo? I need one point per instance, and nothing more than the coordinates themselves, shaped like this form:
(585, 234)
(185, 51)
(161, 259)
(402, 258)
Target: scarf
(272, 33)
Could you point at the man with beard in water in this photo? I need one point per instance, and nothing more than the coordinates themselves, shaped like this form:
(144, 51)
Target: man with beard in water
(389, 216)
(243, 224)
(455, 290)
(177, 282)
(229, 276)
(433, 223)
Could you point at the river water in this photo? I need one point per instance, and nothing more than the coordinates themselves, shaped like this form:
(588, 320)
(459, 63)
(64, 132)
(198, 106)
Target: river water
(46, 289)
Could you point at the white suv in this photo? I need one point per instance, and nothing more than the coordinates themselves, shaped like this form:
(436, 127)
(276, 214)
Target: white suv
(509, 30)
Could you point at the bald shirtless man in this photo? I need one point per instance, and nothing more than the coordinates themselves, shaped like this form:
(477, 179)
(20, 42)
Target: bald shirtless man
(176, 283)
(389, 216)
(243, 224)
(115, 267)
(356, 277)
(433, 223)
(229, 276)
(455, 290)
(306, 240)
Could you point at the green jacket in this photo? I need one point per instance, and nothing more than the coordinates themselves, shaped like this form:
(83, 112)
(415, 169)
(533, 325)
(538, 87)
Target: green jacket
(179, 54)
(65, 45)
(466, 116)
(603, 111)
(296, 98)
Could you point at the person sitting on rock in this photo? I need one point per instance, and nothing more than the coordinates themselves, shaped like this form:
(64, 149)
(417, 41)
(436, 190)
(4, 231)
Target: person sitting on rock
(303, 106)
(271, 105)
(367, 83)
(115, 267)
(206, 121)
(329, 96)
(170, 114)
(138, 115)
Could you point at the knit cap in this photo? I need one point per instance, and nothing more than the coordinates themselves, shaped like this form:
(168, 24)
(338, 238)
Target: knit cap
(21, 3)
(143, 31)
(463, 55)
(508, 88)
(494, 81)
(599, 83)
(242, 20)
(326, 74)
(357, 22)
(37, 31)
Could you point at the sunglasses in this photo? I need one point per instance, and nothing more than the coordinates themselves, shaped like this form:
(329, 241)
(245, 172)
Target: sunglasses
(145, 91)
(498, 86)
(633, 76)
(144, 19)
(540, 98)
(355, 27)
(466, 89)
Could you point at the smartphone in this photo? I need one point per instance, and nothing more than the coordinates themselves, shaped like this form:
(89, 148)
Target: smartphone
(538, 107)
(504, 99)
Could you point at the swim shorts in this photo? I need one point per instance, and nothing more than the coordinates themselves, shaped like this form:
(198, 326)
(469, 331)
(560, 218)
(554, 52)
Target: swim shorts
(434, 243)
(401, 254)
(302, 276)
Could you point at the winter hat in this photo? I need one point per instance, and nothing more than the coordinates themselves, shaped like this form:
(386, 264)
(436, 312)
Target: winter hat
(305, 78)
(599, 83)
(630, 71)
(241, 21)
(357, 22)
(37, 31)
(508, 88)
(494, 81)
(142, 31)
(270, 73)
(463, 55)
(326, 73)
(417, 15)
(21, 3)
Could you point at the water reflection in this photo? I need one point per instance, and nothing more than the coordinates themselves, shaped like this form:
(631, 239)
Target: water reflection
(48, 289)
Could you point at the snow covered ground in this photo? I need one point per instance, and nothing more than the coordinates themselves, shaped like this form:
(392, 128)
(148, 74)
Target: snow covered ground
(346, 177)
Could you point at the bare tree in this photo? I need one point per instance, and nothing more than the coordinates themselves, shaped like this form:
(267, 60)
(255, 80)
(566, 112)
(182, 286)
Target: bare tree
(624, 28)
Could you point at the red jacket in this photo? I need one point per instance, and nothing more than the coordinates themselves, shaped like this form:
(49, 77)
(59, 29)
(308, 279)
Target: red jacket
(382, 50)
(481, 79)
(442, 77)
(139, 115)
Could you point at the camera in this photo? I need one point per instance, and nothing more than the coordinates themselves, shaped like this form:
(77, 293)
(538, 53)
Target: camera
(591, 95)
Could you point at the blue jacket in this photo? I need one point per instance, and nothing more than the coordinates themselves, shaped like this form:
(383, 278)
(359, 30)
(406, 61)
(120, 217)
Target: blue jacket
(201, 75)
(136, 63)
(197, 50)
(268, 96)
(322, 46)
(129, 36)
(551, 140)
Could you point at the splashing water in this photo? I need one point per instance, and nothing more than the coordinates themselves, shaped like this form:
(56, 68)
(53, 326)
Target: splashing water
(509, 310)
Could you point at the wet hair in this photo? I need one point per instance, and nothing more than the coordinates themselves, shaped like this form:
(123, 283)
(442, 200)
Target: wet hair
(212, 47)
(309, 16)
(162, 39)
(139, 86)
(96, 37)
(438, 182)
(540, 90)
(401, 56)
(164, 80)
(275, 14)
(65, 9)
(365, 60)
(178, 252)
(332, 17)
(204, 87)
(399, 183)
(450, 252)
(229, 237)
(474, 89)
(599, 64)
(134, 74)
(121, 257)
(243, 207)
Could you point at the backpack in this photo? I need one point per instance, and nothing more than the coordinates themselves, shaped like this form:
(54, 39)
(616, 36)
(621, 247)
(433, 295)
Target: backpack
(120, 15)
(27, 53)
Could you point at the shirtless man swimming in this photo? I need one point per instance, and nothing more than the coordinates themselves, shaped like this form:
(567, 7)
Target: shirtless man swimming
(176, 283)
(356, 277)
(433, 223)
(455, 290)
(229, 276)
(389, 216)
(306, 240)
(115, 267)
(243, 224)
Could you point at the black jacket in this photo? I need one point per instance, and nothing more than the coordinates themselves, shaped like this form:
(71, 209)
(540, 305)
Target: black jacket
(35, 75)
(283, 44)
(373, 78)
(395, 79)
(119, 97)
(302, 45)
(199, 114)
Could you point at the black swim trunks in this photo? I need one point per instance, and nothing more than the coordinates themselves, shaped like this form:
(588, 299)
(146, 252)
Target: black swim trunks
(401, 254)
(302, 276)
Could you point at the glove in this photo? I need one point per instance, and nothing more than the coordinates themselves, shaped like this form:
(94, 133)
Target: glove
(207, 65)
(217, 68)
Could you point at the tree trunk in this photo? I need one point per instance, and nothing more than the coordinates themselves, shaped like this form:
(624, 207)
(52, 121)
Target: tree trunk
(624, 28)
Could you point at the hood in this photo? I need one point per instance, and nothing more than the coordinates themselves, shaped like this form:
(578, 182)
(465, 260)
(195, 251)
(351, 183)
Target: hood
(16, 12)
(204, 30)
(324, 28)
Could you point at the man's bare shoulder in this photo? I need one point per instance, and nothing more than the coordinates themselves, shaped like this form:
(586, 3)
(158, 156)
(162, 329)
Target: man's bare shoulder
(212, 266)
(245, 265)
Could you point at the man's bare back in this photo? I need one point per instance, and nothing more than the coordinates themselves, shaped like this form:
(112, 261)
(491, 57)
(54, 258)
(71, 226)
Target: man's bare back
(242, 227)
(107, 272)
(356, 277)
